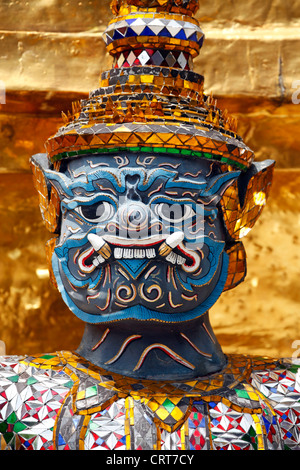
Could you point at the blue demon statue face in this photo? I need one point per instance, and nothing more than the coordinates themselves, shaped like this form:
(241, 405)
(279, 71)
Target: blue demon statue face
(141, 236)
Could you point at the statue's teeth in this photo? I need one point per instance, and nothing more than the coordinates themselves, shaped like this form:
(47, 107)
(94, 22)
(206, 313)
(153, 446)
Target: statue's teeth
(99, 260)
(118, 253)
(175, 259)
(180, 260)
(172, 258)
(128, 253)
(137, 253)
(150, 253)
(140, 253)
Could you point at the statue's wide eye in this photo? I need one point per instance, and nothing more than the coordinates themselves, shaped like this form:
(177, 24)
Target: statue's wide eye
(174, 212)
(98, 212)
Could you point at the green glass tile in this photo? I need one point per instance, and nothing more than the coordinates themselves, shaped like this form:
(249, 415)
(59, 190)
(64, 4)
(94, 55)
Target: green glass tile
(8, 436)
(240, 165)
(93, 426)
(31, 380)
(294, 368)
(251, 438)
(242, 393)
(18, 427)
(69, 384)
(168, 405)
(3, 427)
(206, 155)
(14, 378)
(91, 391)
(12, 418)
(48, 356)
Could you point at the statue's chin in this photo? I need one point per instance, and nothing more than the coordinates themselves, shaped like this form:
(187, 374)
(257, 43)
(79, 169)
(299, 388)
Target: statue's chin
(146, 301)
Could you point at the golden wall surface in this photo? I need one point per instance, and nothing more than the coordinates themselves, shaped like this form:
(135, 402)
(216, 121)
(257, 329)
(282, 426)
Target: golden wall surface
(52, 54)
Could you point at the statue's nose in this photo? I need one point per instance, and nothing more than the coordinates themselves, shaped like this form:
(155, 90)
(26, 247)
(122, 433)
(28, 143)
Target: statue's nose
(136, 215)
(134, 219)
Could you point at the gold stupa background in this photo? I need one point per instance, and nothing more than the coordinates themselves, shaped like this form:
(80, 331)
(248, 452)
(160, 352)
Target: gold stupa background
(52, 54)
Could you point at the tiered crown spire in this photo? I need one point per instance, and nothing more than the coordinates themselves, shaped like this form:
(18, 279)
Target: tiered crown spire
(150, 37)
(151, 100)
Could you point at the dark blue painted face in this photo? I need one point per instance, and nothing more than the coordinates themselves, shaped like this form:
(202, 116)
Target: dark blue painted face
(141, 237)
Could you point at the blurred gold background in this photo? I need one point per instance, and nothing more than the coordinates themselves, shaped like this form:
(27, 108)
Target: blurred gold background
(52, 54)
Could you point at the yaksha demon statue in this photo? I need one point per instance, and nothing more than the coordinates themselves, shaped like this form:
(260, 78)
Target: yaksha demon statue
(149, 191)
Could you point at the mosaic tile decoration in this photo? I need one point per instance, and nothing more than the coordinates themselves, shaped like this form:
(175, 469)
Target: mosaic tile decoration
(173, 31)
(237, 266)
(106, 428)
(49, 206)
(140, 57)
(253, 406)
(154, 25)
(239, 219)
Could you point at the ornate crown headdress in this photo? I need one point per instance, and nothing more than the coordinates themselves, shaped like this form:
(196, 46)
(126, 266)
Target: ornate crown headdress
(151, 100)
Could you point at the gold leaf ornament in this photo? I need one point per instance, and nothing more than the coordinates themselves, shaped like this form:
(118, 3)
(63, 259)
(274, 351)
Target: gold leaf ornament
(239, 215)
(49, 201)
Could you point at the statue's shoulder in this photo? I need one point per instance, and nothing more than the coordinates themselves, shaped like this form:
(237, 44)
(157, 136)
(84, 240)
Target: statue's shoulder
(13, 366)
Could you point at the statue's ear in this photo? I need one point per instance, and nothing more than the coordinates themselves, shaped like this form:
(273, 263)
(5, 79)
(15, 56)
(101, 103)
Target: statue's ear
(48, 197)
(243, 201)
